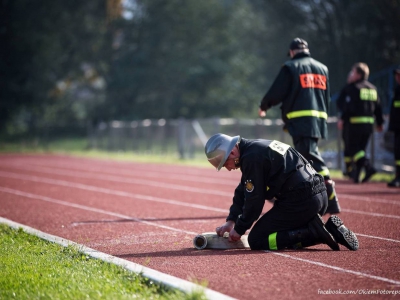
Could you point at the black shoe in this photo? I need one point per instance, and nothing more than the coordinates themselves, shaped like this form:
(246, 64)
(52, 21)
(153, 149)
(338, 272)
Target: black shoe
(355, 174)
(368, 174)
(333, 203)
(394, 183)
(318, 229)
(333, 207)
(341, 233)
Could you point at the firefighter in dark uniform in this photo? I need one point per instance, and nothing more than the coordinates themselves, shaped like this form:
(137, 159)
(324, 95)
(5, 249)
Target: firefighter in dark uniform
(274, 170)
(359, 106)
(394, 126)
(302, 86)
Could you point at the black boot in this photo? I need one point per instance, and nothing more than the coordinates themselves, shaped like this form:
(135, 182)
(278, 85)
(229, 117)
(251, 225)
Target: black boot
(356, 170)
(341, 233)
(313, 234)
(369, 171)
(333, 202)
(347, 170)
(396, 181)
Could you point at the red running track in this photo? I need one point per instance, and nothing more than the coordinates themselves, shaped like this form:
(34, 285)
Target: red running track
(149, 214)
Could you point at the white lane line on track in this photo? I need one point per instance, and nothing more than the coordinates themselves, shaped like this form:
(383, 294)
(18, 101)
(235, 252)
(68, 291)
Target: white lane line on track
(368, 199)
(181, 178)
(149, 198)
(129, 195)
(88, 208)
(142, 182)
(107, 191)
(134, 173)
(177, 187)
(377, 237)
(55, 201)
(127, 166)
(338, 268)
(369, 213)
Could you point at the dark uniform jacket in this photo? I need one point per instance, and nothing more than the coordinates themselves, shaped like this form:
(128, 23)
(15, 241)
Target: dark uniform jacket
(302, 86)
(358, 103)
(265, 166)
(394, 122)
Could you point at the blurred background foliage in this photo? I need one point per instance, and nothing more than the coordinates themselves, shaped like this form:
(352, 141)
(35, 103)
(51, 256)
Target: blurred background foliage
(70, 63)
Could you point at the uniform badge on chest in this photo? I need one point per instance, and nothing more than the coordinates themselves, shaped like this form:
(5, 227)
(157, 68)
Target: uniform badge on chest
(249, 186)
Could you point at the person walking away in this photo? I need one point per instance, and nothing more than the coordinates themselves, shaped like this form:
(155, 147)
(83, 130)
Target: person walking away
(302, 86)
(359, 108)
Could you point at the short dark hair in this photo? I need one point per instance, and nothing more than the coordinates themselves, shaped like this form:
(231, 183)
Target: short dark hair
(362, 69)
(298, 43)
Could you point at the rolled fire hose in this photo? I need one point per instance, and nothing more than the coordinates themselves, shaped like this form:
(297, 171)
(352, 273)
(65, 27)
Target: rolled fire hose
(210, 240)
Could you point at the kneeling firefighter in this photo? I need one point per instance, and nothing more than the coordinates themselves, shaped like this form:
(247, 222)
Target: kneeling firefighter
(274, 170)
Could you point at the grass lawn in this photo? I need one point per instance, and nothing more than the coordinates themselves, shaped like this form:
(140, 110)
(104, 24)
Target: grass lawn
(32, 268)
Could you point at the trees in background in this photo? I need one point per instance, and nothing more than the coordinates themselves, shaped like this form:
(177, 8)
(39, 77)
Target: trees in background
(183, 59)
(68, 62)
(53, 59)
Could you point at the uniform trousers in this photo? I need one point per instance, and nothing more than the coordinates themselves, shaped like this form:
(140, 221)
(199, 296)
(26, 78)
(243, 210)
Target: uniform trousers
(291, 210)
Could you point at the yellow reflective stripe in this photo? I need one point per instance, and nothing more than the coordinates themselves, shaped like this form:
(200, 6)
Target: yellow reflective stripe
(358, 155)
(397, 162)
(272, 241)
(355, 120)
(396, 103)
(324, 172)
(347, 159)
(332, 196)
(368, 94)
(307, 113)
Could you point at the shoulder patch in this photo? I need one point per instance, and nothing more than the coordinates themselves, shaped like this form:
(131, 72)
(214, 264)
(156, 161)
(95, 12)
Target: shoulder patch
(279, 147)
(249, 186)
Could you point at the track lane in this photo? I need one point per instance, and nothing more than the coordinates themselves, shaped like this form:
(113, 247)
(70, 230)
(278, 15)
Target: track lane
(177, 254)
(145, 250)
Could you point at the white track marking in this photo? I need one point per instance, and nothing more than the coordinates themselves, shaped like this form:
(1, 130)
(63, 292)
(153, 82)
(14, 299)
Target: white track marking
(367, 199)
(132, 173)
(154, 275)
(88, 208)
(178, 203)
(144, 197)
(83, 207)
(179, 177)
(107, 191)
(369, 213)
(166, 169)
(142, 182)
(377, 237)
(337, 268)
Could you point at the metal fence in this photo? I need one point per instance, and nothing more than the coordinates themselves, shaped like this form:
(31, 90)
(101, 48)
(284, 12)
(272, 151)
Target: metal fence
(186, 138)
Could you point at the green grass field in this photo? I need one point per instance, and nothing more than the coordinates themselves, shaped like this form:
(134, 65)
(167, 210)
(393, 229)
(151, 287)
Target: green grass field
(32, 268)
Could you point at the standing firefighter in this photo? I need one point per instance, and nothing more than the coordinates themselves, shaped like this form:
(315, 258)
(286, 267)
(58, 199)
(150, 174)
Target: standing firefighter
(394, 125)
(358, 103)
(274, 170)
(302, 86)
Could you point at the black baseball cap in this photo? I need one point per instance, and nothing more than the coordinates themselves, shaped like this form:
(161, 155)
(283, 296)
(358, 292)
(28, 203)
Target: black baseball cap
(397, 70)
(298, 43)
